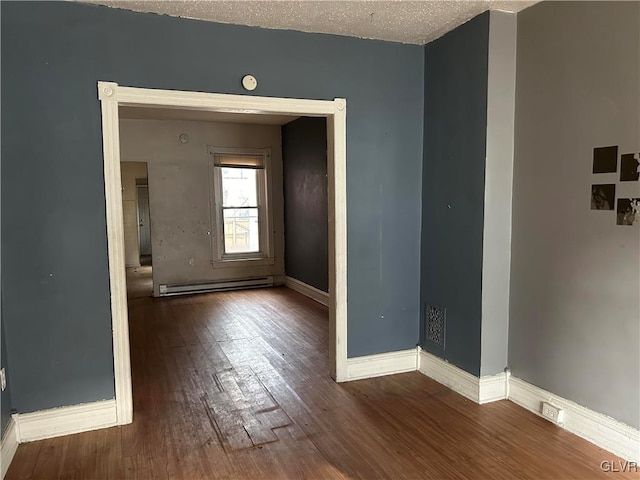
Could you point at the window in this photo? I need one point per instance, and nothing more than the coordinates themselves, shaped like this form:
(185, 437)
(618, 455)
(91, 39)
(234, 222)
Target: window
(240, 210)
(240, 199)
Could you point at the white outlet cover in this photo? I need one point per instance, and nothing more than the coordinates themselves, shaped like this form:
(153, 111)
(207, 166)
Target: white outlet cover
(552, 413)
(249, 82)
(3, 379)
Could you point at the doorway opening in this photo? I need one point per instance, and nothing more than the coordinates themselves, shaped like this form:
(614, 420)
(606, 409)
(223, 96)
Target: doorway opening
(112, 97)
(144, 223)
(136, 228)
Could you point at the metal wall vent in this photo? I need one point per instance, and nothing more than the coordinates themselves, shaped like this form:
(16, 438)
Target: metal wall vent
(434, 325)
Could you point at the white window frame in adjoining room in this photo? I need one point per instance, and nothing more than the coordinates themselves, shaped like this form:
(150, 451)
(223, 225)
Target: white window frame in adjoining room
(112, 96)
(265, 255)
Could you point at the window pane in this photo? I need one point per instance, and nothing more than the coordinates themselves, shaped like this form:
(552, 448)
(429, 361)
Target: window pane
(241, 230)
(239, 187)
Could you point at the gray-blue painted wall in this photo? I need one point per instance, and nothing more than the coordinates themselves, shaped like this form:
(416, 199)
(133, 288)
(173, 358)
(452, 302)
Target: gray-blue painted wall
(55, 276)
(306, 227)
(455, 122)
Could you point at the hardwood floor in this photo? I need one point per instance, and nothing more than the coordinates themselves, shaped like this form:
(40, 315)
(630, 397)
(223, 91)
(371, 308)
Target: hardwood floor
(236, 385)
(139, 282)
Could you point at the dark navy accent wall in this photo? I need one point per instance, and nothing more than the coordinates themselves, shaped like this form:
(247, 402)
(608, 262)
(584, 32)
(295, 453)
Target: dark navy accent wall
(455, 123)
(306, 228)
(55, 275)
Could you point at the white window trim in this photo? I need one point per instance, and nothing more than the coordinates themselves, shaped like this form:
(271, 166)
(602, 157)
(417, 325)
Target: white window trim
(111, 97)
(266, 254)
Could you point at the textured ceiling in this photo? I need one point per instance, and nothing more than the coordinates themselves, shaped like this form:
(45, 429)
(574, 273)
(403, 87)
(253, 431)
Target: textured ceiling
(403, 21)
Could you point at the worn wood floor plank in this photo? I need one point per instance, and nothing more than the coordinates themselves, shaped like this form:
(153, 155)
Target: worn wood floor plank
(235, 385)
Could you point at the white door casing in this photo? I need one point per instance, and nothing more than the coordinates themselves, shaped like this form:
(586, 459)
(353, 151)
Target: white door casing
(111, 97)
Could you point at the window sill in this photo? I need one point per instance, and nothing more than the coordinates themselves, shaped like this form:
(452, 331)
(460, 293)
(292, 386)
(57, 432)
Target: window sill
(243, 262)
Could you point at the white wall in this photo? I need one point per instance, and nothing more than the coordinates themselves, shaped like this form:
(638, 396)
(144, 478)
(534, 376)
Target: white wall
(575, 278)
(179, 198)
(129, 172)
(496, 242)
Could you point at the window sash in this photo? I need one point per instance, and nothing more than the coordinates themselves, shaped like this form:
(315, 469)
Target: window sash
(235, 234)
(255, 184)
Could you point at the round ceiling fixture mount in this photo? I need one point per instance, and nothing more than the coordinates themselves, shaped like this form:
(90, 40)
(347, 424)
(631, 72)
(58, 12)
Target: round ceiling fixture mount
(249, 82)
(184, 138)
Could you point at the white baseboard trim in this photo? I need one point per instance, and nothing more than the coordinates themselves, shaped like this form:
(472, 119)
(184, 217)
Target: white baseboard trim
(307, 290)
(490, 388)
(65, 420)
(9, 447)
(370, 366)
(597, 428)
(449, 375)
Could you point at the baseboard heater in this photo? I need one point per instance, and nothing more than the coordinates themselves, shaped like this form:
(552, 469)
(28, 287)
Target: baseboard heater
(217, 286)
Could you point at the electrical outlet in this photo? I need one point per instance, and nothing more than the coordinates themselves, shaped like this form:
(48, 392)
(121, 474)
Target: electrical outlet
(3, 379)
(552, 413)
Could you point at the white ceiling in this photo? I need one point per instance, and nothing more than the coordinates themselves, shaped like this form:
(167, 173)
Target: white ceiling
(405, 21)
(148, 113)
